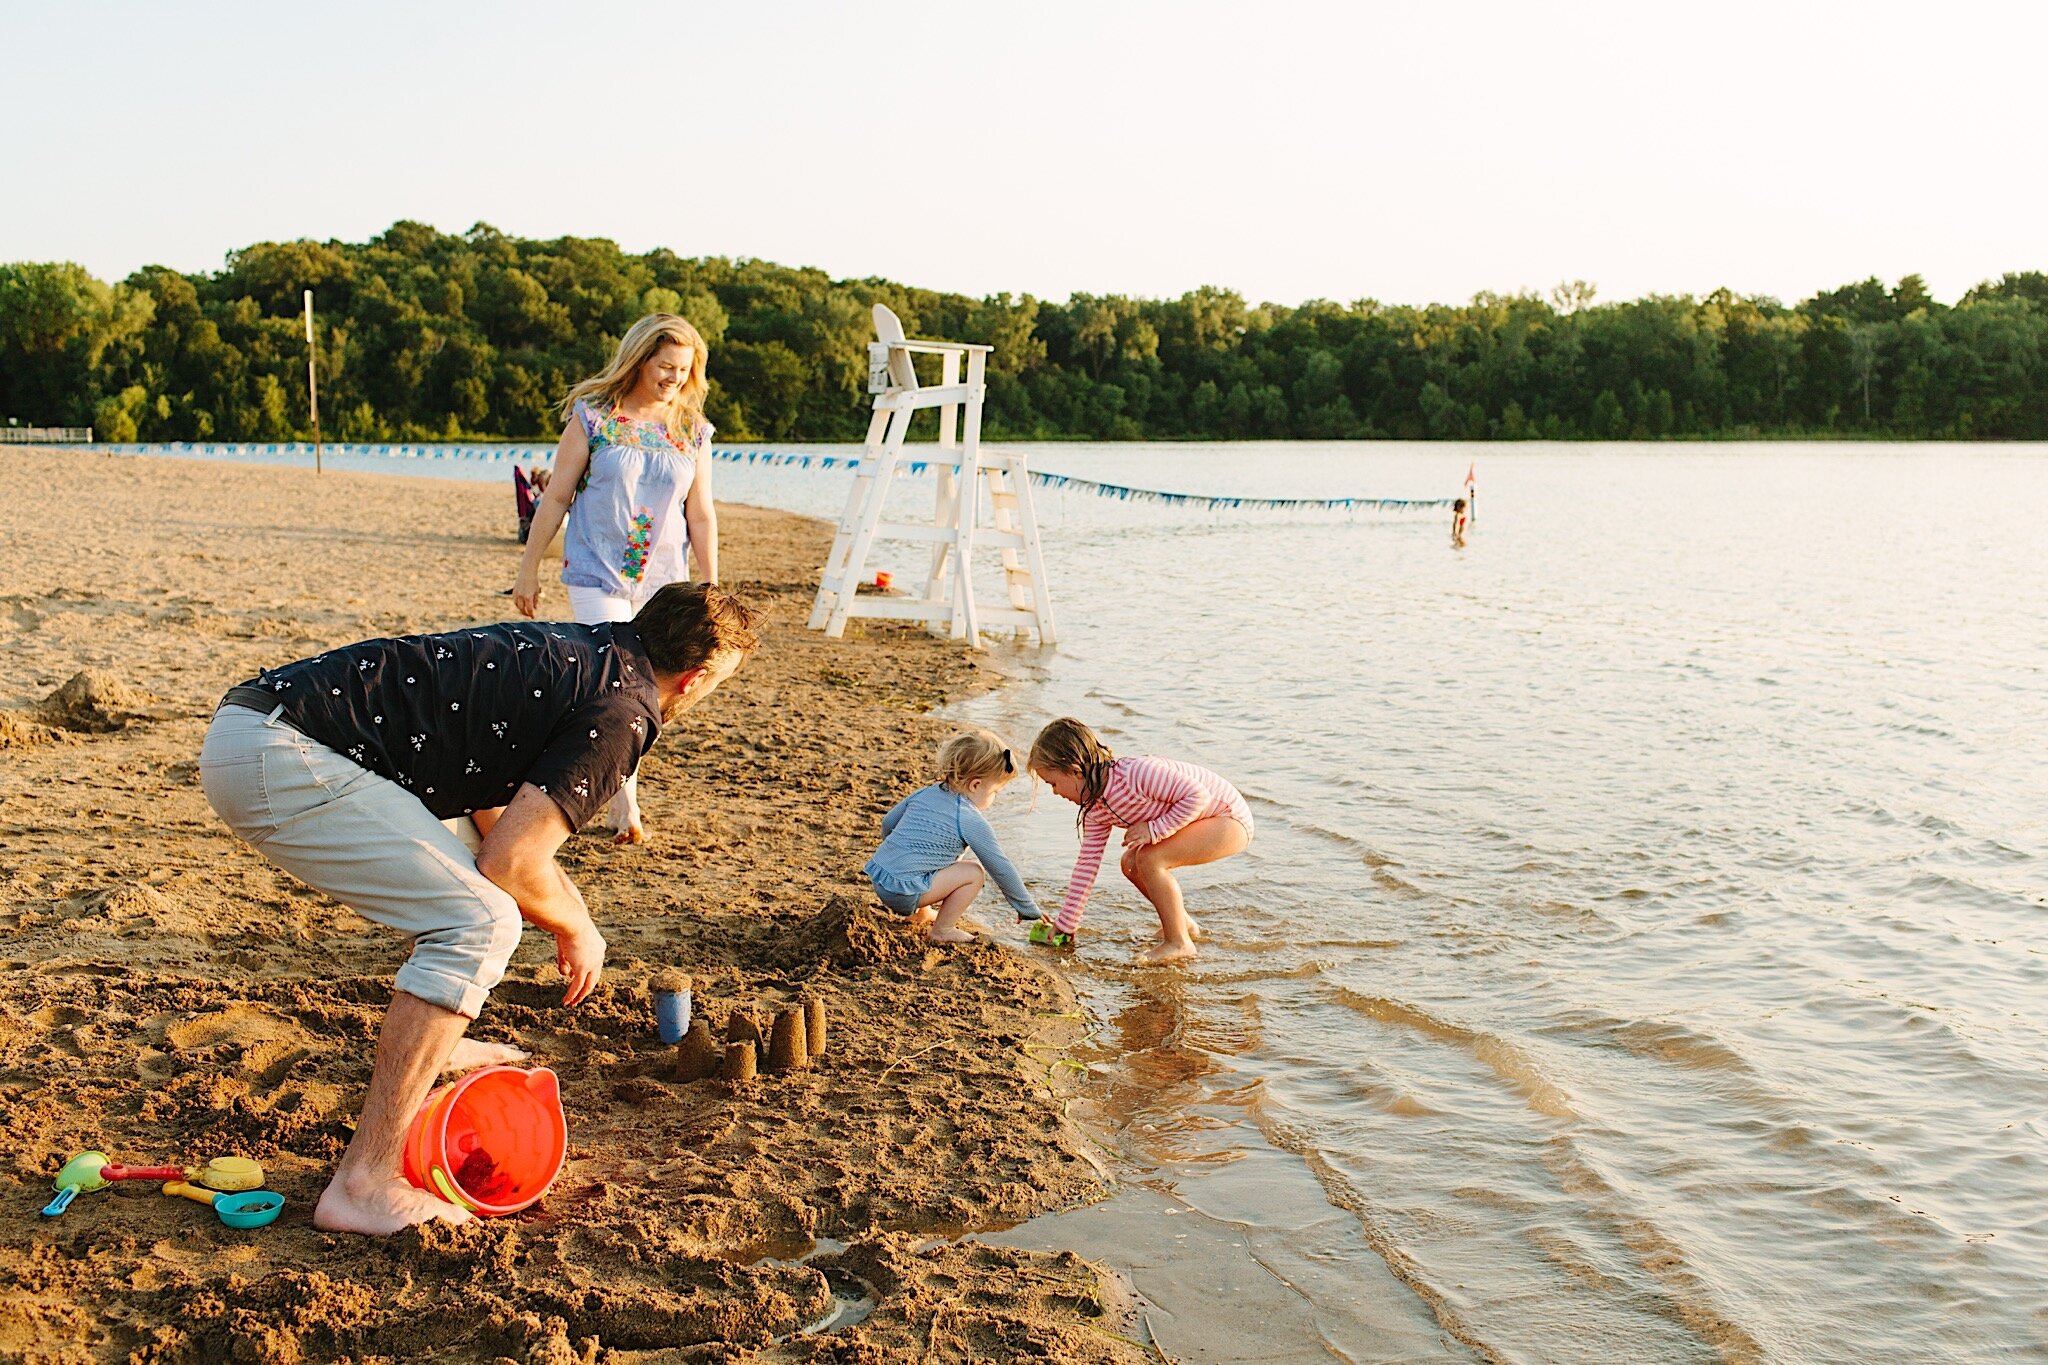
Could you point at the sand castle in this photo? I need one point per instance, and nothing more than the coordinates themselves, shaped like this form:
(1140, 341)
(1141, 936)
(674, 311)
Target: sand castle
(795, 1038)
(787, 1048)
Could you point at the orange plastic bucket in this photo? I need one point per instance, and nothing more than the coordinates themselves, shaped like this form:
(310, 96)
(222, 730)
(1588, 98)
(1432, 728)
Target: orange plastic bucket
(492, 1141)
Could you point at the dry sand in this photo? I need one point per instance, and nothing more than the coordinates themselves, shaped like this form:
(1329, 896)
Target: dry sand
(171, 996)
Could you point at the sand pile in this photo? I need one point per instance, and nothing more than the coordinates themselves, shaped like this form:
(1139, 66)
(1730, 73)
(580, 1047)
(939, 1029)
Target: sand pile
(173, 997)
(19, 732)
(93, 702)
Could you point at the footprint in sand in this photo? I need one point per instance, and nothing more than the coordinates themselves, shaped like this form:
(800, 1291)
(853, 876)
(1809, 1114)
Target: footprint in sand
(262, 1047)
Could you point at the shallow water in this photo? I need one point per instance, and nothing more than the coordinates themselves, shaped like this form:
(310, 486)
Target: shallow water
(1643, 941)
(1642, 950)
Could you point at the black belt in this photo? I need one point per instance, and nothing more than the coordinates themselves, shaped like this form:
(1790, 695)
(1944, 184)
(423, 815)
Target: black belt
(254, 697)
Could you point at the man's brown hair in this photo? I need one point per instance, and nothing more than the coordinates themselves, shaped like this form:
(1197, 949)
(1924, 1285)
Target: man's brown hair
(685, 625)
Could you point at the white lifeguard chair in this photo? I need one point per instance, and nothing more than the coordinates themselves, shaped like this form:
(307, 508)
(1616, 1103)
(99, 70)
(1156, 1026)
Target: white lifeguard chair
(946, 603)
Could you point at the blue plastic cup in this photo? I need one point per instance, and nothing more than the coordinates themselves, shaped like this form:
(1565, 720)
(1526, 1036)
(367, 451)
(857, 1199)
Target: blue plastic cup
(672, 1014)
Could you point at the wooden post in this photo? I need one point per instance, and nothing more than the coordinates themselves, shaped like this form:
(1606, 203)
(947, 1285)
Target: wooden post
(312, 386)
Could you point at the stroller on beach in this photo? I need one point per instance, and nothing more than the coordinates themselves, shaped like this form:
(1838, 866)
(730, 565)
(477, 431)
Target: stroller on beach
(526, 491)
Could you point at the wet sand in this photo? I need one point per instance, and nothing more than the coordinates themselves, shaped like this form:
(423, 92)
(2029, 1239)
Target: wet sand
(172, 996)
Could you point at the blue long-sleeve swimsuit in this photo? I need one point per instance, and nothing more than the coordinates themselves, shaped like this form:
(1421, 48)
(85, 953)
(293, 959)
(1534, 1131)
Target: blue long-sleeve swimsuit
(925, 832)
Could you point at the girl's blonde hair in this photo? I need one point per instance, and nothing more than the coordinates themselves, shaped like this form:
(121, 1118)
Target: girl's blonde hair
(685, 415)
(1066, 745)
(977, 753)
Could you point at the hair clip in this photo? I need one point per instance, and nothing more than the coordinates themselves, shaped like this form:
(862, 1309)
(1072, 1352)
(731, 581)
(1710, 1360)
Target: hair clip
(1009, 764)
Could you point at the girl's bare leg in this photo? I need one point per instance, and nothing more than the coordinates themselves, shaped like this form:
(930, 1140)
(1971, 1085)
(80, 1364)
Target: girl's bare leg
(952, 890)
(1130, 863)
(1150, 868)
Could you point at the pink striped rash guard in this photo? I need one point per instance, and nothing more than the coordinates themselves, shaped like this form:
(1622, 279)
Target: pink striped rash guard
(1170, 794)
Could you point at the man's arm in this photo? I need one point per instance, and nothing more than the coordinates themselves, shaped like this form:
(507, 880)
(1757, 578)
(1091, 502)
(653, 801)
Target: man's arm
(519, 857)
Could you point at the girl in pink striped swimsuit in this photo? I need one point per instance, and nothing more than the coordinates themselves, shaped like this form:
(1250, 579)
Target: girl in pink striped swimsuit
(1172, 815)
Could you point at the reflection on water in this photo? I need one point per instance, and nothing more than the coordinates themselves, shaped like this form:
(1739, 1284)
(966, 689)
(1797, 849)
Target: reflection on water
(1161, 1069)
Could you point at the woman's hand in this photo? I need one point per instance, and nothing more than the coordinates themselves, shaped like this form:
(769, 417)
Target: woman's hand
(526, 592)
(579, 956)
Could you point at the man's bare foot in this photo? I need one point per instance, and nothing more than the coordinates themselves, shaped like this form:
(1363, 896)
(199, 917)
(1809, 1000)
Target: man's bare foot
(634, 831)
(472, 1052)
(922, 917)
(948, 936)
(378, 1208)
(1160, 953)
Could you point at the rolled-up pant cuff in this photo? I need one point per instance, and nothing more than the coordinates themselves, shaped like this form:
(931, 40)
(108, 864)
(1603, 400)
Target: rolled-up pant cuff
(455, 993)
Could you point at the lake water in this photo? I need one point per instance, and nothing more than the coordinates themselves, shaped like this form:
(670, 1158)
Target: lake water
(1642, 954)
(1644, 941)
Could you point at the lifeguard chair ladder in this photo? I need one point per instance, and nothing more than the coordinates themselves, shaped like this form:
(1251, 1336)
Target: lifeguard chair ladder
(947, 604)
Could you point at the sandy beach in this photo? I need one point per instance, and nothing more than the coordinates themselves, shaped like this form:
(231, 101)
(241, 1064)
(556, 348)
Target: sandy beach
(172, 996)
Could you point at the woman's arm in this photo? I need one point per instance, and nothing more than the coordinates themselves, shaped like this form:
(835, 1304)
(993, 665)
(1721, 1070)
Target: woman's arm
(572, 457)
(700, 514)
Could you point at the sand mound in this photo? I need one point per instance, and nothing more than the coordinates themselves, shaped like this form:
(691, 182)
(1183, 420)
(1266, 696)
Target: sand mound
(129, 909)
(847, 934)
(240, 1024)
(95, 703)
(17, 732)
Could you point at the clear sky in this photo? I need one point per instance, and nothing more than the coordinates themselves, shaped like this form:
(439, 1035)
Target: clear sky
(1409, 152)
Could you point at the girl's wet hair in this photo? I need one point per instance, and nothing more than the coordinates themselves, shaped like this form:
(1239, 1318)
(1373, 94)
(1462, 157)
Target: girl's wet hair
(1066, 745)
(976, 753)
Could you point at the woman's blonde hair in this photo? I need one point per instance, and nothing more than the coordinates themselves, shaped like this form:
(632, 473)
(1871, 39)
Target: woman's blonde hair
(977, 753)
(685, 415)
(1068, 746)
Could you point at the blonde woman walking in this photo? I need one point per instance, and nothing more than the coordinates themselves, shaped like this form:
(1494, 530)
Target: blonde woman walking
(635, 462)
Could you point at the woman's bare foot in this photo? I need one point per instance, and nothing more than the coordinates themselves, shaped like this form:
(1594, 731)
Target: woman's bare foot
(948, 936)
(378, 1208)
(1160, 953)
(1194, 933)
(472, 1052)
(922, 917)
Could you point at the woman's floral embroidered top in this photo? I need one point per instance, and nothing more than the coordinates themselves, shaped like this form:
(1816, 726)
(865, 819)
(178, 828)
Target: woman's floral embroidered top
(626, 534)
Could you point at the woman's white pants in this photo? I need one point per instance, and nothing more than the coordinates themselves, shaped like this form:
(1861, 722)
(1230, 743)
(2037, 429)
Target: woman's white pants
(592, 607)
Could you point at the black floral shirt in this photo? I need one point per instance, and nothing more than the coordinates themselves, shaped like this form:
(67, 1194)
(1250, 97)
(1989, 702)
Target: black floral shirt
(461, 719)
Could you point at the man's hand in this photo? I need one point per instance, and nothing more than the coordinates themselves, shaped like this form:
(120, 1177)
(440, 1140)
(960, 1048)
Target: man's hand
(519, 856)
(579, 956)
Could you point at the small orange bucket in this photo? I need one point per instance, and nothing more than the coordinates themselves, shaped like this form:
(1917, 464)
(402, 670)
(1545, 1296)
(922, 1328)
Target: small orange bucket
(492, 1141)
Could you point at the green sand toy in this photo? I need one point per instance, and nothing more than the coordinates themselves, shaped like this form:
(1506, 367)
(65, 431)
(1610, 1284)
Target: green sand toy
(1044, 933)
(81, 1175)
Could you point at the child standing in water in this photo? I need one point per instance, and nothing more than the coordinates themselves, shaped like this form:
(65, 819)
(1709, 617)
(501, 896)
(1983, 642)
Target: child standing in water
(1458, 523)
(1172, 815)
(918, 865)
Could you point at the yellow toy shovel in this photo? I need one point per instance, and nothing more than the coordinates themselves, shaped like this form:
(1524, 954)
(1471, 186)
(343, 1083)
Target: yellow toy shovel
(244, 1209)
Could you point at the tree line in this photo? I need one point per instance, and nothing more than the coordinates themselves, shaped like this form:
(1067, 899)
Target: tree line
(425, 335)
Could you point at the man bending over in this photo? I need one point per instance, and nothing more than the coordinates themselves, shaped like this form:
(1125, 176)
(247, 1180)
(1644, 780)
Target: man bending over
(341, 769)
